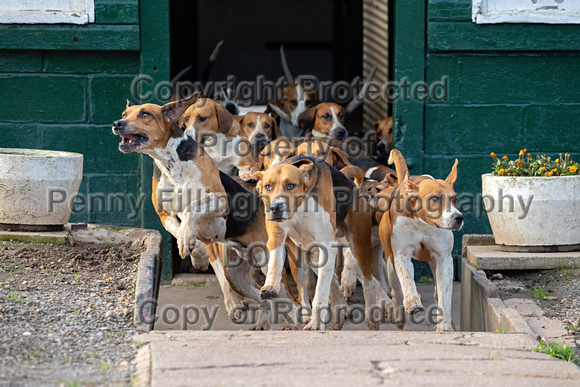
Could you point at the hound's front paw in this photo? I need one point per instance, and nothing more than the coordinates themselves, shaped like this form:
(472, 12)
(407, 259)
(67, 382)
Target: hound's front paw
(413, 304)
(200, 257)
(268, 292)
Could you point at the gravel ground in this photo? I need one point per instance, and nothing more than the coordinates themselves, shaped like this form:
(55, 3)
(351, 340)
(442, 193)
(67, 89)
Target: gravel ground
(66, 314)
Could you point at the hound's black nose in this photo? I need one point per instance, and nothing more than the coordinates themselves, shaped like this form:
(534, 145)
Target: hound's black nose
(341, 133)
(381, 147)
(458, 218)
(119, 124)
(277, 208)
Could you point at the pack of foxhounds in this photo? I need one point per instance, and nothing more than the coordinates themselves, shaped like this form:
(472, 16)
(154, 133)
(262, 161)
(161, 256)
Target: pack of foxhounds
(248, 193)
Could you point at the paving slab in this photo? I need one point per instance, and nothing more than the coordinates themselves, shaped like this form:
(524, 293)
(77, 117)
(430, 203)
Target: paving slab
(491, 257)
(181, 358)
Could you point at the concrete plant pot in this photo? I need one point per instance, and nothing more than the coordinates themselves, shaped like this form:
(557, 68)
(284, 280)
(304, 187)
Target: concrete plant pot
(544, 215)
(37, 188)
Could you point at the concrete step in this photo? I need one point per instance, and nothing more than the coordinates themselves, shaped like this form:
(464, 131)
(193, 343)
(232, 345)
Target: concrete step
(347, 358)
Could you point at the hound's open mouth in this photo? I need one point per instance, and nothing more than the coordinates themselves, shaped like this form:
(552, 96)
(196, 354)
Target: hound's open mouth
(131, 141)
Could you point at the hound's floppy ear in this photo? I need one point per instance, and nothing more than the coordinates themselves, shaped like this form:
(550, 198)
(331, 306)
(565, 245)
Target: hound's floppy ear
(340, 158)
(411, 187)
(256, 174)
(306, 170)
(306, 118)
(225, 118)
(376, 125)
(453, 175)
(129, 104)
(172, 111)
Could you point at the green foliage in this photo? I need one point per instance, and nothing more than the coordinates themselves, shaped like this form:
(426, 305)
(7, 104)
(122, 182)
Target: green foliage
(543, 165)
(562, 352)
(539, 292)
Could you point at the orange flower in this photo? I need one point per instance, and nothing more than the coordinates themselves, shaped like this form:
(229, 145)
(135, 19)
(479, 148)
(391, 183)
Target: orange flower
(520, 163)
(529, 155)
(549, 174)
(573, 169)
(555, 169)
(493, 155)
(505, 158)
(543, 169)
(502, 171)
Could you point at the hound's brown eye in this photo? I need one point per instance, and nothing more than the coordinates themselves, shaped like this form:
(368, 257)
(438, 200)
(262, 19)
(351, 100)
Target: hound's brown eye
(185, 119)
(436, 199)
(124, 115)
(320, 154)
(268, 187)
(266, 126)
(144, 115)
(340, 116)
(454, 201)
(201, 119)
(390, 130)
(294, 102)
(269, 155)
(326, 117)
(290, 186)
(250, 125)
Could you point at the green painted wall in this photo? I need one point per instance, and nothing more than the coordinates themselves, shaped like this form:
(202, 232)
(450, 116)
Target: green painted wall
(62, 86)
(511, 86)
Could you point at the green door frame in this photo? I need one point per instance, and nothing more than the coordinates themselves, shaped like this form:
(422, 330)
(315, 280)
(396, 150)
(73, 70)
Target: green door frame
(155, 62)
(409, 58)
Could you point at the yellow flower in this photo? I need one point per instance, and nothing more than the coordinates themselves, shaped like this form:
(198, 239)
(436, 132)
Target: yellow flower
(549, 173)
(557, 160)
(522, 152)
(502, 171)
(573, 169)
(555, 169)
(493, 155)
(505, 158)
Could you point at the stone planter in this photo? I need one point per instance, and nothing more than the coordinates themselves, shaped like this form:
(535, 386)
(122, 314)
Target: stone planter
(37, 188)
(533, 213)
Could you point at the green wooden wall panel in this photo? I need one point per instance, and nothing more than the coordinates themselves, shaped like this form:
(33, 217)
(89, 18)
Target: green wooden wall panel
(79, 214)
(16, 61)
(41, 98)
(449, 10)
(117, 11)
(113, 184)
(468, 36)
(19, 136)
(553, 128)
(466, 129)
(97, 143)
(98, 37)
(109, 62)
(108, 97)
(508, 79)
